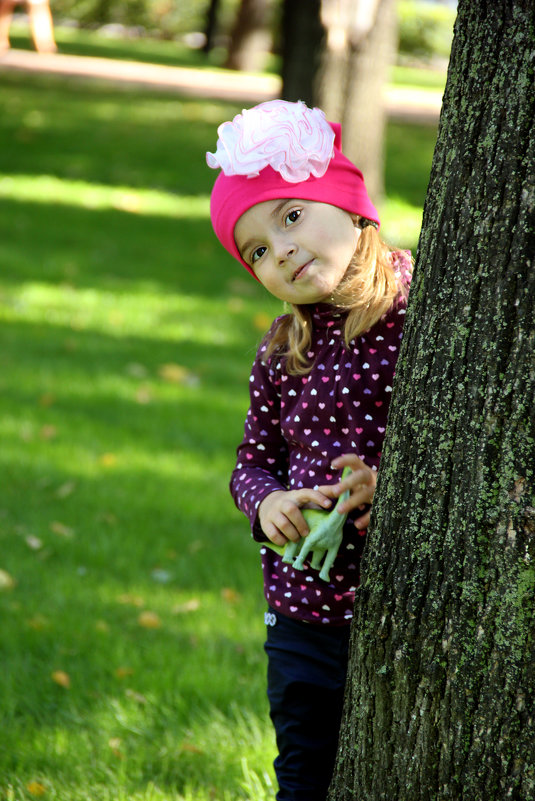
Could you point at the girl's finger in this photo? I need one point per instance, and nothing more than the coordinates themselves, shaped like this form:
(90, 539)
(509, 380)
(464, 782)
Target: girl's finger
(363, 522)
(289, 525)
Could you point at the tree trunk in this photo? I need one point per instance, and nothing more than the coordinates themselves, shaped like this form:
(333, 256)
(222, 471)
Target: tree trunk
(439, 703)
(360, 45)
(210, 26)
(250, 40)
(302, 43)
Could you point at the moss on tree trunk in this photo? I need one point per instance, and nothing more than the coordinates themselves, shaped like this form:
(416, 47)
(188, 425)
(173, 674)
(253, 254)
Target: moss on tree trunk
(439, 701)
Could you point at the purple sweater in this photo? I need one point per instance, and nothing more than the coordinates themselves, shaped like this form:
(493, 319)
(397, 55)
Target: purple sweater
(295, 427)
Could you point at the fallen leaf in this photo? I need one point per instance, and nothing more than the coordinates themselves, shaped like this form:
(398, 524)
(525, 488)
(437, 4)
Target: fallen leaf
(140, 699)
(62, 530)
(136, 370)
(66, 489)
(36, 788)
(262, 321)
(189, 606)
(173, 373)
(230, 595)
(7, 582)
(191, 748)
(235, 304)
(48, 432)
(114, 742)
(115, 745)
(149, 620)
(34, 542)
(107, 460)
(131, 600)
(37, 623)
(176, 374)
(61, 678)
(123, 672)
(144, 396)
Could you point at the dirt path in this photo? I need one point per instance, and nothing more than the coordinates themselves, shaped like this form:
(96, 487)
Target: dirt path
(401, 103)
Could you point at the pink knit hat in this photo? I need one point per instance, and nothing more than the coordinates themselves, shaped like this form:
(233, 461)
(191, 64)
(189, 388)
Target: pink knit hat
(276, 150)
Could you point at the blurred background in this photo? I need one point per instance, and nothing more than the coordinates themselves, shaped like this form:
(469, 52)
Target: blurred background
(130, 589)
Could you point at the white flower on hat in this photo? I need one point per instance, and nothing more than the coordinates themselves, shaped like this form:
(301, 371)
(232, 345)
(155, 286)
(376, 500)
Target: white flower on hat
(293, 139)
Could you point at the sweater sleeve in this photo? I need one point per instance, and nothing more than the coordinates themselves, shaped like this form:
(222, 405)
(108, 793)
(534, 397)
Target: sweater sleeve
(262, 456)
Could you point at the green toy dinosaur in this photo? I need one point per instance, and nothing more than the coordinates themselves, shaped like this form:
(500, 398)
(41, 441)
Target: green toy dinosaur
(323, 540)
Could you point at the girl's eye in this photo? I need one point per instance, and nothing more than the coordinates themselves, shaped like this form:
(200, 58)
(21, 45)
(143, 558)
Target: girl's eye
(292, 216)
(257, 254)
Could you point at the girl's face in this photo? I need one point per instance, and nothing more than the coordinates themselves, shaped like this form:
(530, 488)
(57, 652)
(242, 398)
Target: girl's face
(298, 249)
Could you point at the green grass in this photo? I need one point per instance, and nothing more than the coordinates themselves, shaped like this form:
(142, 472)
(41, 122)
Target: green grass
(127, 337)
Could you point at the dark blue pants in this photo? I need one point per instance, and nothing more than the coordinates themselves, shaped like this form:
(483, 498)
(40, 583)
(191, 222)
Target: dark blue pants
(307, 667)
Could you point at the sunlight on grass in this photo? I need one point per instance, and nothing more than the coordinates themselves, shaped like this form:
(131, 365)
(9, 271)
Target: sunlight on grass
(172, 317)
(50, 189)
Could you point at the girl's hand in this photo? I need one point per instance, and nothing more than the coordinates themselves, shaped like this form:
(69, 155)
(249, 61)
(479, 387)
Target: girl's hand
(280, 515)
(361, 484)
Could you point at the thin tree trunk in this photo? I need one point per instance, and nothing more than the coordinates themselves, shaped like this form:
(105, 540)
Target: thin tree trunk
(210, 25)
(302, 43)
(250, 38)
(360, 45)
(439, 702)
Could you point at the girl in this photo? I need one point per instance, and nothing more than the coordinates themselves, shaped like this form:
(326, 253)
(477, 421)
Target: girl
(294, 211)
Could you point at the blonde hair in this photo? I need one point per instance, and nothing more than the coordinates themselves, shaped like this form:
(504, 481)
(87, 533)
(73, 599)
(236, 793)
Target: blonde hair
(367, 291)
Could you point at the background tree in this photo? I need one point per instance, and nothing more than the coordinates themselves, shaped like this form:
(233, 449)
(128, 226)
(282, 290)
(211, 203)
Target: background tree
(250, 39)
(440, 693)
(210, 25)
(359, 49)
(302, 36)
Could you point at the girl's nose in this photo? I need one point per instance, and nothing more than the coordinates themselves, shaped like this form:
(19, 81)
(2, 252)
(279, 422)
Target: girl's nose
(285, 251)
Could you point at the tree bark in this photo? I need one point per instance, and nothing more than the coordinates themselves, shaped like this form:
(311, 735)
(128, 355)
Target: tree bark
(439, 702)
(250, 40)
(302, 43)
(360, 46)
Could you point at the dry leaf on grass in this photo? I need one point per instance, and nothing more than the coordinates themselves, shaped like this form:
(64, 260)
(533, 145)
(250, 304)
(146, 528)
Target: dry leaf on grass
(115, 745)
(188, 606)
(177, 374)
(38, 623)
(149, 620)
(61, 529)
(123, 672)
(36, 788)
(33, 542)
(131, 600)
(66, 489)
(7, 582)
(107, 460)
(262, 321)
(48, 432)
(190, 748)
(137, 697)
(61, 678)
(48, 399)
(229, 595)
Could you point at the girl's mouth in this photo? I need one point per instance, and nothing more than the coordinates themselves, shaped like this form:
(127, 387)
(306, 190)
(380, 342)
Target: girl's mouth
(301, 270)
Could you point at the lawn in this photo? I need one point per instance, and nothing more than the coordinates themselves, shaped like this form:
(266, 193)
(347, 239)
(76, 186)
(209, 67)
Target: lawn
(130, 591)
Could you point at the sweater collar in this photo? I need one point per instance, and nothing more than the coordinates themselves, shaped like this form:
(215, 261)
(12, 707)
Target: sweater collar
(324, 315)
